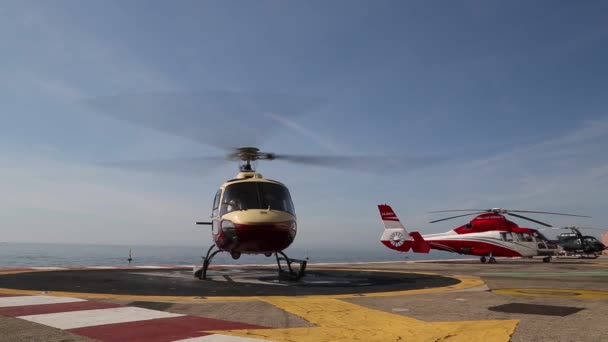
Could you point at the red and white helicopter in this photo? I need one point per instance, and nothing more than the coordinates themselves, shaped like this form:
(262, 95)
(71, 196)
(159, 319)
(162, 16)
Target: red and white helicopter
(488, 235)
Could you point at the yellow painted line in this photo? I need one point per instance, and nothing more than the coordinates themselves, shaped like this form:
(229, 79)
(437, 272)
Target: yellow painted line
(466, 282)
(337, 320)
(599, 264)
(555, 293)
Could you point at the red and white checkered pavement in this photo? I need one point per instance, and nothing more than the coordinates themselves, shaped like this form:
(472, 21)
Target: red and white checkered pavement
(113, 322)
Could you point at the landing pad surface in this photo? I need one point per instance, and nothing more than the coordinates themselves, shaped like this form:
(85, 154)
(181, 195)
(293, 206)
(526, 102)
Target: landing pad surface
(222, 282)
(515, 300)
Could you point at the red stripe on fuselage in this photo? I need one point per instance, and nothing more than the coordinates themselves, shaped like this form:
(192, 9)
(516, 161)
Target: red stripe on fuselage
(390, 218)
(160, 330)
(478, 248)
(459, 246)
(258, 238)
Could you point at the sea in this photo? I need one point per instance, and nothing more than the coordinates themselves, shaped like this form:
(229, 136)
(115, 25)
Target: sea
(39, 254)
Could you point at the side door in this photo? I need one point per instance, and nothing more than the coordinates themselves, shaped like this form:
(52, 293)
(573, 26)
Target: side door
(215, 213)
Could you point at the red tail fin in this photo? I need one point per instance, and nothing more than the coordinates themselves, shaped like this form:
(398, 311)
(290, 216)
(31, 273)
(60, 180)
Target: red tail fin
(419, 245)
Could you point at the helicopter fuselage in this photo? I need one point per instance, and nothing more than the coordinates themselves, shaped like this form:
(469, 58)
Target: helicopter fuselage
(492, 234)
(579, 244)
(253, 215)
(487, 234)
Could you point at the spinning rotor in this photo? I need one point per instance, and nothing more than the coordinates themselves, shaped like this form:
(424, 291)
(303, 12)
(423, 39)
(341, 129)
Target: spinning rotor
(235, 122)
(501, 211)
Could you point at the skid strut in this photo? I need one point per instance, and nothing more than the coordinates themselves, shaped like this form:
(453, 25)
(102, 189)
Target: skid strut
(293, 275)
(201, 273)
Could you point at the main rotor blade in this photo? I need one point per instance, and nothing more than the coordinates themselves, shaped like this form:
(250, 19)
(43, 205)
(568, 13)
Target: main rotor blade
(222, 119)
(363, 163)
(544, 212)
(453, 217)
(447, 211)
(529, 219)
(184, 166)
(592, 228)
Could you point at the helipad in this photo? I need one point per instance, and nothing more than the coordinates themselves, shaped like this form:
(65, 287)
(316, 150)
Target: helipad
(223, 282)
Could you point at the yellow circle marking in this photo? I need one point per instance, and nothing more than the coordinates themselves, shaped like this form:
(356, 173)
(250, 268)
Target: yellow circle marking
(555, 293)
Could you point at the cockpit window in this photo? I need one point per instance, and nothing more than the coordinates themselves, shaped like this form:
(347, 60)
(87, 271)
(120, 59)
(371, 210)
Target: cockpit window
(526, 237)
(216, 203)
(507, 236)
(540, 237)
(256, 195)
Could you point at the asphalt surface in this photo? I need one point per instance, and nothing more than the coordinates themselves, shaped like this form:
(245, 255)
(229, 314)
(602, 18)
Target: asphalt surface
(17, 330)
(588, 315)
(513, 300)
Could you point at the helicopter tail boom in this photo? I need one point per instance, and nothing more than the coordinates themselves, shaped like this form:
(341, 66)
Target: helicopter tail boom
(396, 237)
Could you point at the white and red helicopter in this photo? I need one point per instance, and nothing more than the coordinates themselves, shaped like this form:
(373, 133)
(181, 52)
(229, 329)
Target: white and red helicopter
(488, 235)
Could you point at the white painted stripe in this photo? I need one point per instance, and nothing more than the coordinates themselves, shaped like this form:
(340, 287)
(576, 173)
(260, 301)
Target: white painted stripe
(88, 318)
(150, 266)
(35, 300)
(102, 267)
(220, 338)
(47, 268)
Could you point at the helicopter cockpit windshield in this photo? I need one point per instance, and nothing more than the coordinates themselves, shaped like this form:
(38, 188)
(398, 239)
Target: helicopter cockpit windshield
(591, 240)
(256, 195)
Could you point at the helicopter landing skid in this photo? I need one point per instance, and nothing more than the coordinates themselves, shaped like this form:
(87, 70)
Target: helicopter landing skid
(201, 273)
(293, 275)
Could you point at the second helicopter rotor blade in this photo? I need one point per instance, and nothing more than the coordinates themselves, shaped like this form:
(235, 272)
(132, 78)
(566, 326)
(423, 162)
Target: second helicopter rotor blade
(456, 210)
(602, 229)
(530, 219)
(453, 217)
(545, 212)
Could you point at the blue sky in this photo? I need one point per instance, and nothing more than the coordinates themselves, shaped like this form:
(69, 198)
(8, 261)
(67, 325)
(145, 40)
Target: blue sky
(513, 92)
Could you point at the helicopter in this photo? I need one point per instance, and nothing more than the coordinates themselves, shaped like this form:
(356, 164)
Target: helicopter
(250, 214)
(575, 243)
(488, 235)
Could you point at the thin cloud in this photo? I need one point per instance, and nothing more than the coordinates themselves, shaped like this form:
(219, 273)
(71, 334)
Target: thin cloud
(312, 135)
(589, 131)
(66, 58)
(69, 202)
(568, 173)
(37, 183)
